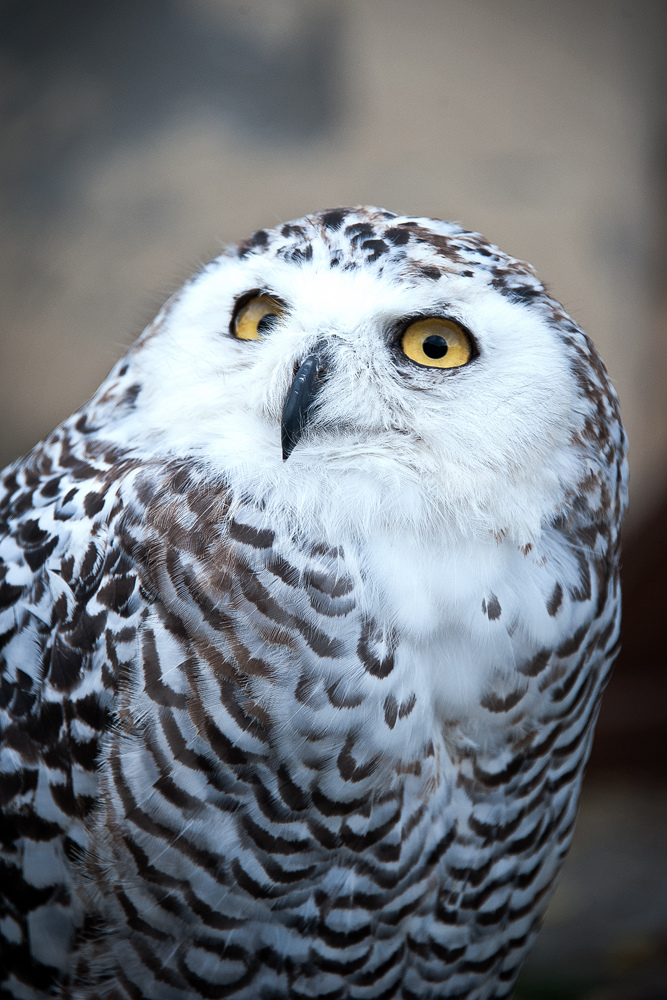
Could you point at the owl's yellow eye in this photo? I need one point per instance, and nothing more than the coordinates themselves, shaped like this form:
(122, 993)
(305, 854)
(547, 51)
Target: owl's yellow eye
(256, 317)
(437, 343)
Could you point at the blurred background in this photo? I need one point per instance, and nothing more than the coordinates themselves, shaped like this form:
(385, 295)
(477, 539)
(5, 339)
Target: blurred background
(140, 137)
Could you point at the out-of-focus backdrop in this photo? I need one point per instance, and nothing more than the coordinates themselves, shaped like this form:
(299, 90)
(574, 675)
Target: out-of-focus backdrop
(138, 137)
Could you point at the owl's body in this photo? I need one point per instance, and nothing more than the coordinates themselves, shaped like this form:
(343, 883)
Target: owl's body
(311, 727)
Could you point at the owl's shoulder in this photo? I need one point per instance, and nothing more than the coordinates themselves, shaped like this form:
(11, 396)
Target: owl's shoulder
(66, 583)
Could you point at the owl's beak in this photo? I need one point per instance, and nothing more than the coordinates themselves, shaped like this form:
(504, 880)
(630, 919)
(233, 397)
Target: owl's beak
(298, 403)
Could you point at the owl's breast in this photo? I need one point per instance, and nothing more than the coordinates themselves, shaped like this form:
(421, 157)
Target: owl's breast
(468, 615)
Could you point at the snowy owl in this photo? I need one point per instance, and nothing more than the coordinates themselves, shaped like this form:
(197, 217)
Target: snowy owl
(305, 619)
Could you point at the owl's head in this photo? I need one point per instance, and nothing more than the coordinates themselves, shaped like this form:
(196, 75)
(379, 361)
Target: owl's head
(356, 369)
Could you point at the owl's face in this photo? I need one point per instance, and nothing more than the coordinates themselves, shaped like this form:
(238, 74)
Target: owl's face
(441, 389)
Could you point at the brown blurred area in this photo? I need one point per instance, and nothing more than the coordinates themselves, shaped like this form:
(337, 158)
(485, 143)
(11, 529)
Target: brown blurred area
(137, 138)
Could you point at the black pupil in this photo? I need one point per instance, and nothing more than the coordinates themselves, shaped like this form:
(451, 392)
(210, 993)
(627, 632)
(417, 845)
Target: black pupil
(266, 323)
(435, 347)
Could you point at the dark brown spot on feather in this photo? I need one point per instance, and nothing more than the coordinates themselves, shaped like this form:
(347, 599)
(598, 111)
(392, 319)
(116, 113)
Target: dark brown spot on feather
(377, 248)
(555, 601)
(348, 767)
(497, 703)
(289, 791)
(571, 645)
(377, 665)
(491, 608)
(407, 706)
(363, 841)
(536, 665)
(289, 230)
(306, 690)
(36, 557)
(115, 594)
(90, 711)
(222, 746)
(64, 665)
(433, 273)
(330, 807)
(334, 218)
(248, 716)
(258, 539)
(399, 237)
(9, 595)
(390, 711)
(256, 241)
(342, 698)
(330, 584)
(358, 229)
(283, 570)
(155, 687)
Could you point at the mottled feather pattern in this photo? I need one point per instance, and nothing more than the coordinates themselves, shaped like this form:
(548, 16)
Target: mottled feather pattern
(235, 761)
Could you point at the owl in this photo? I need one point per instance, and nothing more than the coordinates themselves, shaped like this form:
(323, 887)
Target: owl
(305, 619)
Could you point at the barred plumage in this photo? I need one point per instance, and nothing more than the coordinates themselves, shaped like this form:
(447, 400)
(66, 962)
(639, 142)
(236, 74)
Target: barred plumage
(310, 727)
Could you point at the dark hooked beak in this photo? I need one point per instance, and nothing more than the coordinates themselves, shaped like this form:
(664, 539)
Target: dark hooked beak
(299, 402)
